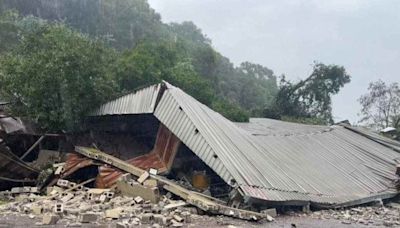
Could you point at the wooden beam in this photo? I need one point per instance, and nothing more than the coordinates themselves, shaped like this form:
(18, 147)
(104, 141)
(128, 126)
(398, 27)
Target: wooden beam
(201, 201)
(33, 147)
(108, 159)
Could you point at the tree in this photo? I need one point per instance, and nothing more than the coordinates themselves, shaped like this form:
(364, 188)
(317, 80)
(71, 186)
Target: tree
(56, 76)
(381, 105)
(258, 86)
(311, 98)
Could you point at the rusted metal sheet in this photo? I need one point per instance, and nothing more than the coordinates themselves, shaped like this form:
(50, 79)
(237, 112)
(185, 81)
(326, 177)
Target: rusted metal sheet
(160, 158)
(74, 162)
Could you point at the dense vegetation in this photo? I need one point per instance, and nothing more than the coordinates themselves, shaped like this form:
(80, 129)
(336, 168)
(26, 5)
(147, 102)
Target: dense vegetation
(61, 58)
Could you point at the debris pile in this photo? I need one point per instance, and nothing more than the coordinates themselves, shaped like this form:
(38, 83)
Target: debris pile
(72, 204)
(379, 215)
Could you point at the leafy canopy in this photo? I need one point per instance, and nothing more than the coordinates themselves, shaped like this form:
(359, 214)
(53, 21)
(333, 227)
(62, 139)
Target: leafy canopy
(56, 75)
(311, 98)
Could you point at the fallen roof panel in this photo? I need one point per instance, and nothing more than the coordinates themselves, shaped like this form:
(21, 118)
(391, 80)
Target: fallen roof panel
(139, 102)
(282, 162)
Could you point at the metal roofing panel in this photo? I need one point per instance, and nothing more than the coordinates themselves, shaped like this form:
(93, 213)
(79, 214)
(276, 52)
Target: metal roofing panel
(139, 102)
(278, 161)
(272, 160)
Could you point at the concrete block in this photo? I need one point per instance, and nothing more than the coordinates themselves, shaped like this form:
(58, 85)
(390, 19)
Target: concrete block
(97, 191)
(34, 190)
(187, 217)
(96, 208)
(153, 171)
(62, 183)
(160, 219)
(270, 212)
(16, 190)
(59, 170)
(102, 198)
(143, 177)
(37, 210)
(138, 199)
(49, 219)
(150, 183)
(51, 191)
(178, 218)
(176, 223)
(136, 189)
(121, 225)
(88, 217)
(58, 208)
(114, 213)
(71, 185)
(147, 218)
(110, 195)
(175, 205)
(67, 197)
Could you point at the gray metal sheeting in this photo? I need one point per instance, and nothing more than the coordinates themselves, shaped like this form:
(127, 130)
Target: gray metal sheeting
(139, 102)
(282, 162)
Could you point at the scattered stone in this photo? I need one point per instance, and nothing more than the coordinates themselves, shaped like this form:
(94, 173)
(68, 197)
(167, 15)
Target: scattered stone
(121, 225)
(175, 205)
(178, 218)
(143, 177)
(271, 212)
(146, 218)
(67, 197)
(37, 210)
(138, 199)
(62, 183)
(88, 217)
(269, 218)
(113, 213)
(160, 219)
(50, 219)
(59, 208)
(153, 171)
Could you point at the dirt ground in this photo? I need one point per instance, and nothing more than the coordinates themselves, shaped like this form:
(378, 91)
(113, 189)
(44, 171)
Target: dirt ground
(294, 221)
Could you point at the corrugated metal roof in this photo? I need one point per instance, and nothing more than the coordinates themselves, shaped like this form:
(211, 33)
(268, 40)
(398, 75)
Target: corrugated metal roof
(263, 126)
(282, 162)
(138, 102)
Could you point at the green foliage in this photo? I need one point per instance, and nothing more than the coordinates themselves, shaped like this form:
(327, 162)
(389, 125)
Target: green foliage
(152, 62)
(134, 28)
(8, 31)
(311, 98)
(123, 22)
(304, 120)
(230, 111)
(56, 75)
(258, 87)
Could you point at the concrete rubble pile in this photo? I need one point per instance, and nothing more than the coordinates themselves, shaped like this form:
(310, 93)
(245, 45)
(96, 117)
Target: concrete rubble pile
(73, 205)
(377, 214)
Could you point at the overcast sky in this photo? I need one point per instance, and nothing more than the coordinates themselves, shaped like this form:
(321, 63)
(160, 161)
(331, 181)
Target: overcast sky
(288, 35)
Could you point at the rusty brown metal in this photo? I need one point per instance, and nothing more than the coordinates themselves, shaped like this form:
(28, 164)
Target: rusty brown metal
(74, 162)
(160, 158)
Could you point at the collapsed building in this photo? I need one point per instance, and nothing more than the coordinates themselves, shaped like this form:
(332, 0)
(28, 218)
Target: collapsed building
(168, 141)
(255, 165)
